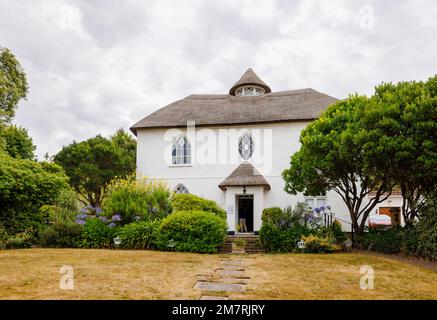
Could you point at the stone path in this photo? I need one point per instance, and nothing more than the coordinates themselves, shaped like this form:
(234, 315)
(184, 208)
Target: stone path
(228, 278)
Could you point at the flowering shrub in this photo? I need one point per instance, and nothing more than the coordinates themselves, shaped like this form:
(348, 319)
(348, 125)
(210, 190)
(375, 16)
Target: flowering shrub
(96, 234)
(132, 200)
(315, 244)
(283, 229)
(276, 239)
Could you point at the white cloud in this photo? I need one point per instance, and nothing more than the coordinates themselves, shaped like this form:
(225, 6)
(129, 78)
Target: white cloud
(95, 66)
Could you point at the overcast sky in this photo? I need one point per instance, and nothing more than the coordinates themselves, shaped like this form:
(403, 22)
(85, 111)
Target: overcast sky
(96, 66)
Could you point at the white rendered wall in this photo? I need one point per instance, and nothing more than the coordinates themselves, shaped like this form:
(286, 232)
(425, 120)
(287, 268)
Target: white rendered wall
(203, 179)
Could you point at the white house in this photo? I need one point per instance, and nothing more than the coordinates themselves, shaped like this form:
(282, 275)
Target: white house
(232, 148)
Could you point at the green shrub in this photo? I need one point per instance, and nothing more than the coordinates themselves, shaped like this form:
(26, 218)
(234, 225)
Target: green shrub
(135, 200)
(334, 232)
(276, 239)
(60, 234)
(191, 202)
(315, 244)
(382, 240)
(26, 185)
(96, 234)
(421, 239)
(62, 230)
(139, 235)
(273, 215)
(288, 217)
(19, 241)
(193, 231)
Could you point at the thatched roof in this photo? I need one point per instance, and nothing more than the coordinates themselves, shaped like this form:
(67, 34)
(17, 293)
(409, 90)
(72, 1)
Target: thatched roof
(224, 109)
(245, 175)
(249, 78)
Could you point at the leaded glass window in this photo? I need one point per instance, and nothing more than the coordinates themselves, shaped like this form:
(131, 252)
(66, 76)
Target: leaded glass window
(181, 151)
(249, 91)
(245, 146)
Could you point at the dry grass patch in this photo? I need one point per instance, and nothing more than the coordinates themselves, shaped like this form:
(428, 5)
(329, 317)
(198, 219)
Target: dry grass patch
(119, 274)
(102, 274)
(334, 276)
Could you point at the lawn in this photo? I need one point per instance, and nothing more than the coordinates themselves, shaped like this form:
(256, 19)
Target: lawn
(117, 274)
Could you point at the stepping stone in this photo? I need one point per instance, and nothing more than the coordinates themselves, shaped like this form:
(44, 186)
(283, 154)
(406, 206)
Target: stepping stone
(213, 298)
(222, 287)
(235, 280)
(233, 267)
(230, 273)
(227, 261)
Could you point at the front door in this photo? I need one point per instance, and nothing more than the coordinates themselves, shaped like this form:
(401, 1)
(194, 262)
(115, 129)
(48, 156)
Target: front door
(245, 213)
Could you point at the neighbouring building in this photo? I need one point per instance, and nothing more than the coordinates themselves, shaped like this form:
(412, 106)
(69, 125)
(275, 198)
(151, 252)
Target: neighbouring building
(232, 148)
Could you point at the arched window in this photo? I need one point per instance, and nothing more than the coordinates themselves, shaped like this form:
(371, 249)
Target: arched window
(181, 151)
(180, 188)
(245, 146)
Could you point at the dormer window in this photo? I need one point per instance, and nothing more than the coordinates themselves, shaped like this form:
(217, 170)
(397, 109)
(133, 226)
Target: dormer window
(249, 91)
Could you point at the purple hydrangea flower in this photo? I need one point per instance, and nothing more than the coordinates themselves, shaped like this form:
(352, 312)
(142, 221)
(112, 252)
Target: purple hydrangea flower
(154, 210)
(322, 208)
(112, 225)
(82, 216)
(317, 210)
(98, 211)
(84, 210)
(104, 219)
(116, 217)
(80, 222)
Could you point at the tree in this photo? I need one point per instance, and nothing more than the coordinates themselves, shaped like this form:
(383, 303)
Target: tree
(401, 123)
(25, 186)
(17, 142)
(93, 163)
(13, 84)
(332, 157)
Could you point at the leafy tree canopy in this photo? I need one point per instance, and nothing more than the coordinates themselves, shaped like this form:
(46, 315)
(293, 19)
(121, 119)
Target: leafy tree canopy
(24, 187)
(401, 123)
(331, 158)
(367, 146)
(13, 84)
(17, 142)
(93, 163)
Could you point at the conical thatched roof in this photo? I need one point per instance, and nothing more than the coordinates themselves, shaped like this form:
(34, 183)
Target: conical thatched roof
(245, 175)
(249, 78)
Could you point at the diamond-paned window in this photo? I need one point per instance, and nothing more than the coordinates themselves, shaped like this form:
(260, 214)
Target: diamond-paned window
(245, 146)
(180, 188)
(181, 151)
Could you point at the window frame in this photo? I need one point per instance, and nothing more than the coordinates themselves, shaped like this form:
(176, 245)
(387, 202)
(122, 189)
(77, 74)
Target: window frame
(251, 145)
(315, 200)
(182, 186)
(243, 91)
(182, 152)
